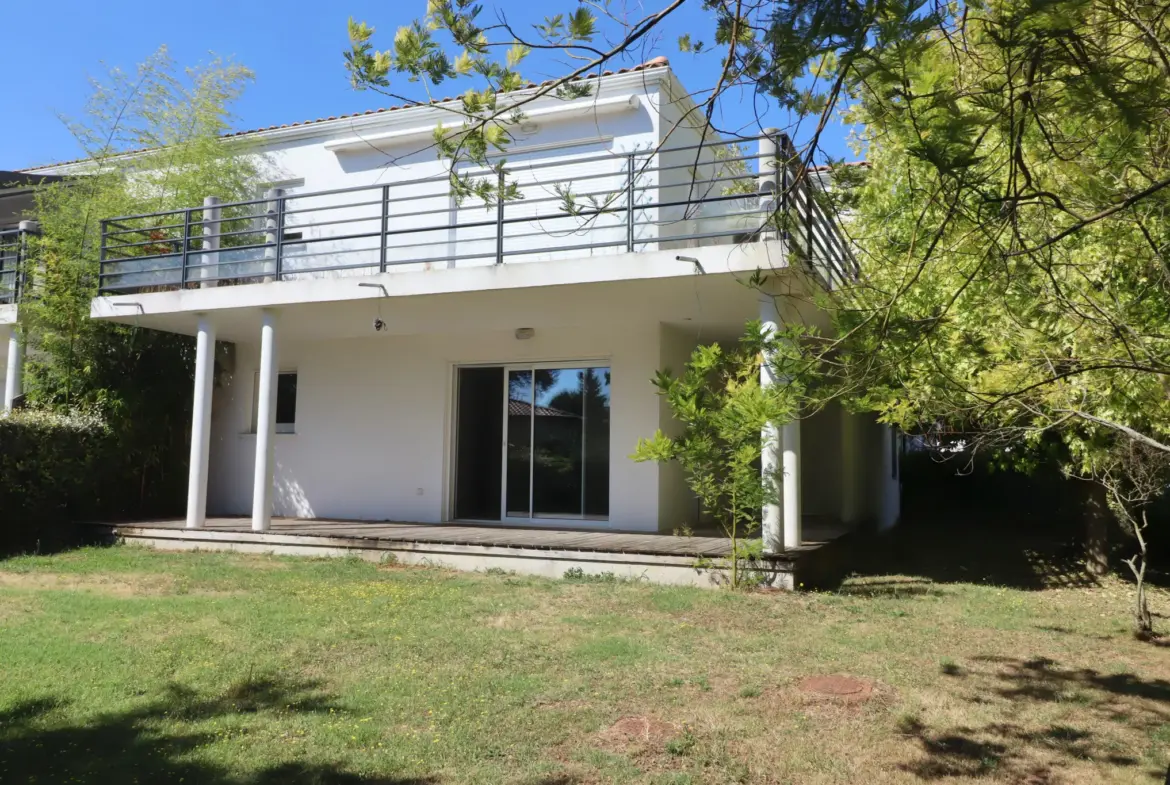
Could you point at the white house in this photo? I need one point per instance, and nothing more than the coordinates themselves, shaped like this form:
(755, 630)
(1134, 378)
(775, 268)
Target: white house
(370, 348)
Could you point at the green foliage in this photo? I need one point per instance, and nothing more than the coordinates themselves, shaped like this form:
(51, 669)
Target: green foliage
(154, 142)
(53, 468)
(420, 54)
(723, 409)
(1014, 225)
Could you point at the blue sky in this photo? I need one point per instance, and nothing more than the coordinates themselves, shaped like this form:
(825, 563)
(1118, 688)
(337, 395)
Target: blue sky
(295, 48)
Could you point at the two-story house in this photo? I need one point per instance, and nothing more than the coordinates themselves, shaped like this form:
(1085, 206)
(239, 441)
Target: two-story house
(371, 348)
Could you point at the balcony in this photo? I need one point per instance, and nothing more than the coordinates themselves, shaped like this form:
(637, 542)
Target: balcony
(13, 253)
(558, 207)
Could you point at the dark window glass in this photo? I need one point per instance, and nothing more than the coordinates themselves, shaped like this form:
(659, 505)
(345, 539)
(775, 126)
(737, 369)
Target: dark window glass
(286, 401)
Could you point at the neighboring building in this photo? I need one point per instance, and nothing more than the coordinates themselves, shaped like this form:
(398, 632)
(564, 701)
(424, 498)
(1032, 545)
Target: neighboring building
(16, 204)
(370, 348)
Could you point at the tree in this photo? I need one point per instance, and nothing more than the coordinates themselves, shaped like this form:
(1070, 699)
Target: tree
(1014, 233)
(723, 409)
(152, 142)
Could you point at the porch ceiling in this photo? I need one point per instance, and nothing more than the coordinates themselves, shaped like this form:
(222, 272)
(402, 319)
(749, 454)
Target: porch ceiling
(720, 302)
(716, 301)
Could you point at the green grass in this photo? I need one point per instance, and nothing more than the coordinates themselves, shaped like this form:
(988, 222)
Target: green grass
(123, 665)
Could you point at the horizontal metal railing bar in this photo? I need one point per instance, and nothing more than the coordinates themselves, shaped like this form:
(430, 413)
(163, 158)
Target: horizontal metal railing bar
(718, 162)
(345, 206)
(616, 173)
(155, 228)
(560, 248)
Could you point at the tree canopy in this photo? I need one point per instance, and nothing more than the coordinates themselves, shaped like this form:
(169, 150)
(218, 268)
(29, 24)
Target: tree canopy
(1012, 222)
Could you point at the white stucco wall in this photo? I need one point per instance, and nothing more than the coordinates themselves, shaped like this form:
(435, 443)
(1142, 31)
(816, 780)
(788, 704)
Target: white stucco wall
(820, 465)
(373, 438)
(678, 507)
(881, 489)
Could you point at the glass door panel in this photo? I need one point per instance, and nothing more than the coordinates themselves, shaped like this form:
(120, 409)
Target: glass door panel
(518, 469)
(595, 391)
(558, 460)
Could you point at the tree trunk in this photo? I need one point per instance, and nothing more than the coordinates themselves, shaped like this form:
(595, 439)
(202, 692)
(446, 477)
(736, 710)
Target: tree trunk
(1143, 621)
(1097, 517)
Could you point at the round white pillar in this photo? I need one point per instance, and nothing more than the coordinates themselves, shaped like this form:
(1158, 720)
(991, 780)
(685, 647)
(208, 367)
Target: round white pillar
(771, 528)
(790, 439)
(265, 424)
(201, 424)
(12, 380)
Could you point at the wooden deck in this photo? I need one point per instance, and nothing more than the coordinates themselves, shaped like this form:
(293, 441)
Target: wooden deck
(816, 532)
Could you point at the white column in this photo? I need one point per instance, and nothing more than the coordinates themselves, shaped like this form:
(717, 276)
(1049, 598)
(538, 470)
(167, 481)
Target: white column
(849, 467)
(772, 521)
(201, 424)
(211, 242)
(15, 363)
(265, 424)
(790, 445)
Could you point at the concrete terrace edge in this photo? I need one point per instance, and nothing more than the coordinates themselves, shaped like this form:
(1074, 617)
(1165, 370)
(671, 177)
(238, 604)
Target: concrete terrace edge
(522, 560)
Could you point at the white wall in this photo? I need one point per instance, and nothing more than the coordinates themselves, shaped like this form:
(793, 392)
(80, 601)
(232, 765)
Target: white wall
(881, 490)
(677, 505)
(820, 464)
(374, 422)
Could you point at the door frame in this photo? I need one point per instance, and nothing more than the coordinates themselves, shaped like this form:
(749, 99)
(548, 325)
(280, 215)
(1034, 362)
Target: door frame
(581, 522)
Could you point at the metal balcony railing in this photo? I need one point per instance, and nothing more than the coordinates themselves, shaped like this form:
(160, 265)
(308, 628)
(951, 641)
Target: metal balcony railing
(13, 255)
(566, 207)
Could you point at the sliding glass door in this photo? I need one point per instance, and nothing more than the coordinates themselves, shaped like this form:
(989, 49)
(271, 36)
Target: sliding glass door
(552, 462)
(557, 443)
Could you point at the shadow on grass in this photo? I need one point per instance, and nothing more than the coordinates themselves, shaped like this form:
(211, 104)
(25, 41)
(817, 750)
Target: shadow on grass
(142, 744)
(1033, 755)
(967, 551)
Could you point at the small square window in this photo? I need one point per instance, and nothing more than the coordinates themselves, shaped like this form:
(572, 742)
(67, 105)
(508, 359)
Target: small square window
(286, 402)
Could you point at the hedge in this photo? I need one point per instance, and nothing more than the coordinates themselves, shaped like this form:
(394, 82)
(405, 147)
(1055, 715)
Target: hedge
(54, 469)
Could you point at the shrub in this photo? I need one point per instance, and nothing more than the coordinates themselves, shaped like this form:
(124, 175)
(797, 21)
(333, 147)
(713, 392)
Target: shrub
(54, 468)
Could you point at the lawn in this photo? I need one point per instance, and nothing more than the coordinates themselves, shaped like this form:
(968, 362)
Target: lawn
(123, 665)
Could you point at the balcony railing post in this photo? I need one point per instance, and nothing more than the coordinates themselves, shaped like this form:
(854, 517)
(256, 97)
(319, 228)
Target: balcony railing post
(783, 145)
(630, 167)
(102, 256)
(280, 203)
(24, 230)
(212, 213)
(383, 235)
(272, 232)
(500, 186)
(766, 183)
(186, 244)
(808, 215)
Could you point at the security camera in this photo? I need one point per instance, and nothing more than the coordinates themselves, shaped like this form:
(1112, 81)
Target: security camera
(379, 325)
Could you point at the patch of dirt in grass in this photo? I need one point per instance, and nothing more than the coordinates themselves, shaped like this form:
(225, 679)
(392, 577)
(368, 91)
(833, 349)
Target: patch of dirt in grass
(633, 735)
(125, 585)
(846, 689)
(13, 608)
